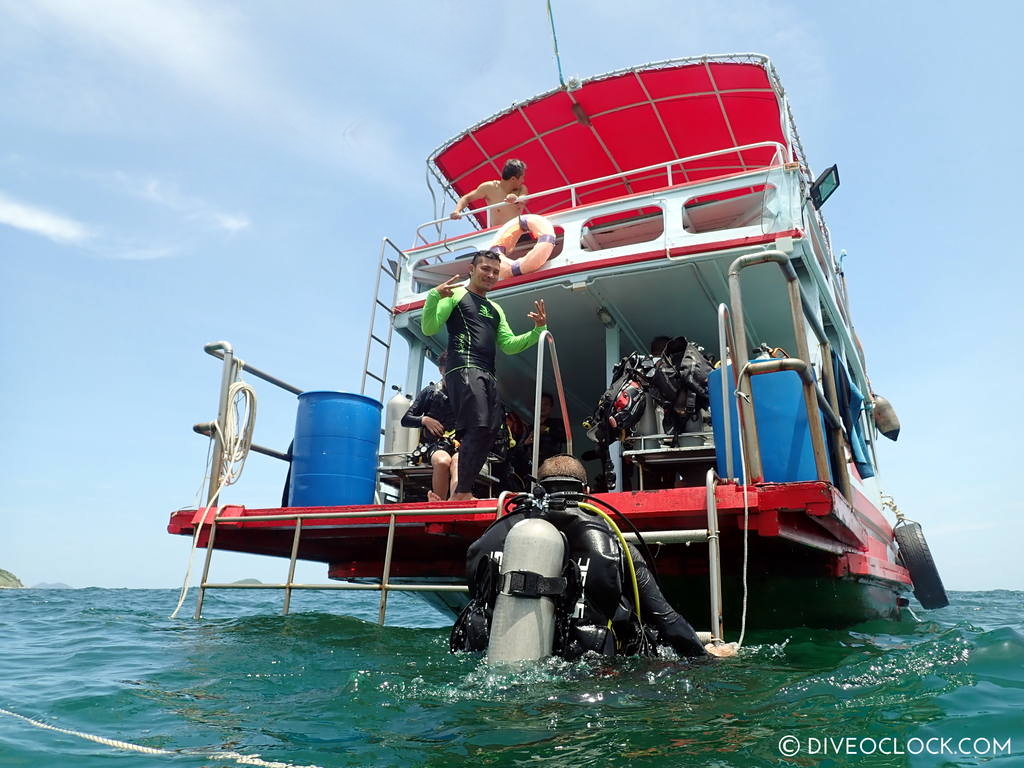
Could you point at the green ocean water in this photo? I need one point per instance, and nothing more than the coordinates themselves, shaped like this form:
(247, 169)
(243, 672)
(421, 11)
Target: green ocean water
(326, 686)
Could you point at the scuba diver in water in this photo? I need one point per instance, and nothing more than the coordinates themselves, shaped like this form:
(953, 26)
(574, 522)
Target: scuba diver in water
(605, 598)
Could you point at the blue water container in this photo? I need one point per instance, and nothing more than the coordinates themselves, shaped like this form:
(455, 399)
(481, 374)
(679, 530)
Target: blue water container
(783, 433)
(334, 458)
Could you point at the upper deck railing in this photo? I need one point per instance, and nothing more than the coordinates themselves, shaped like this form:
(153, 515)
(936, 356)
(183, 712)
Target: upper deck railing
(676, 219)
(780, 157)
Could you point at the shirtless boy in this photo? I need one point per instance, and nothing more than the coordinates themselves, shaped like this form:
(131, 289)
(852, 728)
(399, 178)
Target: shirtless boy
(508, 189)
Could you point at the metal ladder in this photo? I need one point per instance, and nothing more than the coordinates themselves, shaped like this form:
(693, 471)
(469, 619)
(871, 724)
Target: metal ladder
(388, 269)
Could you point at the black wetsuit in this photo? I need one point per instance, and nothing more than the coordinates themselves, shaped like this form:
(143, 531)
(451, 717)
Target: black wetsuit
(603, 619)
(476, 326)
(432, 401)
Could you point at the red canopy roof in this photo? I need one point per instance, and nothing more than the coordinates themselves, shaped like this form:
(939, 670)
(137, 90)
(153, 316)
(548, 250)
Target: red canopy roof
(627, 120)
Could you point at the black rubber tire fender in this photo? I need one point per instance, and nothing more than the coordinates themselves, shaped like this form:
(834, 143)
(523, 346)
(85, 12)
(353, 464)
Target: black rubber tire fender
(918, 560)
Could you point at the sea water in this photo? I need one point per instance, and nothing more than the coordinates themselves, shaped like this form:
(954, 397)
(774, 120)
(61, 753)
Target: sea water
(327, 686)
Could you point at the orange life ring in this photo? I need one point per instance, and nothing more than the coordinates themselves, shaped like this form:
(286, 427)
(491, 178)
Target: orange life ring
(539, 228)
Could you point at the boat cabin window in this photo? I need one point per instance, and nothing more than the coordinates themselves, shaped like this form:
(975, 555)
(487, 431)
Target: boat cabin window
(637, 225)
(732, 208)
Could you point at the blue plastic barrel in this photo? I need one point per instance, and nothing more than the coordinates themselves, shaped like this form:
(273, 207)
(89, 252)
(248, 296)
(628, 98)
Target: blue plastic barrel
(334, 458)
(783, 433)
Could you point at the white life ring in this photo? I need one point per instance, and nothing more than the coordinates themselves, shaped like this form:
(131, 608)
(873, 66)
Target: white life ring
(539, 228)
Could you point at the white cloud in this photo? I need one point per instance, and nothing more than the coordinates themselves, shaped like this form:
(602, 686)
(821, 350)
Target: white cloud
(150, 253)
(190, 43)
(39, 221)
(192, 208)
(210, 53)
(231, 223)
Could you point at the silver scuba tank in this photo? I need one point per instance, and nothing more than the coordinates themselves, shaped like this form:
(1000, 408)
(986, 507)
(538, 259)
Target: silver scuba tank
(398, 440)
(523, 627)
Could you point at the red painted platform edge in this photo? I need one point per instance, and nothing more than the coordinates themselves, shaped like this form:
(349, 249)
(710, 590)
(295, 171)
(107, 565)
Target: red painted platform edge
(644, 507)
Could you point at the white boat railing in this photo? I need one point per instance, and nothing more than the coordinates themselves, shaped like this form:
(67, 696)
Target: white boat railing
(778, 159)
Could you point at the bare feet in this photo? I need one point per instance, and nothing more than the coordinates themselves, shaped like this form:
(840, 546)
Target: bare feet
(432, 497)
(463, 497)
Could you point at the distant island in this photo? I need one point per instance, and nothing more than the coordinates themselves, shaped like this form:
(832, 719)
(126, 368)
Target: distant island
(52, 585)
(9, 581)
(247, 581)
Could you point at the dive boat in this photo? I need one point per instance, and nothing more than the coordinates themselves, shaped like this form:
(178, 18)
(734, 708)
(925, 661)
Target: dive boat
(683, 207)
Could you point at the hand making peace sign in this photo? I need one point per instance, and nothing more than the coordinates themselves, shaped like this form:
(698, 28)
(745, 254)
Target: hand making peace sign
(540, 317)
(446, 288)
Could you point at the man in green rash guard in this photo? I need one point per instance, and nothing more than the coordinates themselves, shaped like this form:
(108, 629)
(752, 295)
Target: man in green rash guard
(476, 326)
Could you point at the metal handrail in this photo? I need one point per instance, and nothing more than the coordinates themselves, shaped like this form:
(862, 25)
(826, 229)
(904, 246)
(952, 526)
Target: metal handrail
(827, 401)
(571, 188)
(384, 587)
(725, 335)
(714, 558)
(223, 350)
(208, 429)
(546, 336)
(812, 396)
(680, 536)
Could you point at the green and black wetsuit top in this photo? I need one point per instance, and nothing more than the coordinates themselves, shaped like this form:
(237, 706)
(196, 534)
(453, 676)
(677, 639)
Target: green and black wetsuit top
(476, 325)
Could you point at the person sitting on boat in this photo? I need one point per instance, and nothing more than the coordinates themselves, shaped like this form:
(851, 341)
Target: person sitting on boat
(597, 610)
(432, 413)
(552, 431)
(474, 332)
(508, 189)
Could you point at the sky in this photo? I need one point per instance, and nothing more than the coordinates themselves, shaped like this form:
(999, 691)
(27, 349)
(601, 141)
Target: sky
(175, 172)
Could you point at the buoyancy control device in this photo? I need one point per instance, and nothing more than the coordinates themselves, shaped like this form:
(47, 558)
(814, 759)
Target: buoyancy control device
(677, 380)
(555, 586)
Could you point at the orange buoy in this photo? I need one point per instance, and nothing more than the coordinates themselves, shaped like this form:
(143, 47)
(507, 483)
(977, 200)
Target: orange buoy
(535, 225)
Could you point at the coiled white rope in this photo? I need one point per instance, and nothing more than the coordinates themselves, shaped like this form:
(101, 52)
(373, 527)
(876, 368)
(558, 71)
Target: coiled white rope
(235, 443)
(227, 468)
(129, 747)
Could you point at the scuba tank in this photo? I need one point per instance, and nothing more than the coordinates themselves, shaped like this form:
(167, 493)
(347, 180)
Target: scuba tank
(398, 440)
(523, 624)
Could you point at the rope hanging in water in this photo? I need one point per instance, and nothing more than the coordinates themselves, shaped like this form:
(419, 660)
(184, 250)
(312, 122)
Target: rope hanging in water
(129, 747)
(240, 420)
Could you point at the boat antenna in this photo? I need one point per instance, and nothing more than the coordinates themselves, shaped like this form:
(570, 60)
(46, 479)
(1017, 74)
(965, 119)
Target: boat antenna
(554, 38)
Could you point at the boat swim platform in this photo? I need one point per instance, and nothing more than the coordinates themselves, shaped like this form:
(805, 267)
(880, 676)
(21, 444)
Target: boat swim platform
(834, 540)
